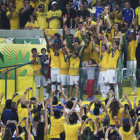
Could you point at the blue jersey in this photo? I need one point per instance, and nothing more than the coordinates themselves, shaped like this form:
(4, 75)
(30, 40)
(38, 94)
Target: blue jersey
(98, 11)
(44, 60)
(128, 15)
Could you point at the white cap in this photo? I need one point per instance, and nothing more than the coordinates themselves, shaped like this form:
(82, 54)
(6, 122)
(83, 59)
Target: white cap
(54, 2)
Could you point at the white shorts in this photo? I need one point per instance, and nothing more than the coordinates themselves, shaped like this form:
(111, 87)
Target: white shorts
(74, 80)
(131, 67)
(111, 76)
(40, 81)
(49, 81)
(102, 77)
(65, 79)
(55, 75)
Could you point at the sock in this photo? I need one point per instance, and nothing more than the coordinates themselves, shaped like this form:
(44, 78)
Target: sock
(37, 92)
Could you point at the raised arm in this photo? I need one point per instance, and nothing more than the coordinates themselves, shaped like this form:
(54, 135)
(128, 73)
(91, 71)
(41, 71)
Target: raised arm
(82, 48)
(51, 106)
(46, 122)
(130, 105)
(121, 119)
(65, 44)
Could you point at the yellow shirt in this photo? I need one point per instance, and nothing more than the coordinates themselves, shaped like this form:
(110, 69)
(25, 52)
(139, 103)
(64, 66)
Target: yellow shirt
(55, 60)
(127, 135)
(56, 127)
(54, 23)
(22, 112)
(93, 117)
(103, 59)
(132, 50)
(42, 19)
(65, 63)
(113, 59)
(45, 2)
(95, 55)
(71, 131)
(78, 34)
(74, 66)
(87, 52)
(23, 136)
(112, 121)
(137, 11)
(36, 66)
(32, 24)
(118, 20)
(19, 4)
(14, 20)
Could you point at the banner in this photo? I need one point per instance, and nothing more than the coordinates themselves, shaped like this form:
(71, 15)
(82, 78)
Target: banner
(26, 41)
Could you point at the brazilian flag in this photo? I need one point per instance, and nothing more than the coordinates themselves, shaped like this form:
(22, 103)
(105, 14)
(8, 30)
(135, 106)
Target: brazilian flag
(26, 41)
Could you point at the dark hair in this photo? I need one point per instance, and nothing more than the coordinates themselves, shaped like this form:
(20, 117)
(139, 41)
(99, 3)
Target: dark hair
(84, 117)
(20, 129)
(96, 111)
(8, 134)
(69, 104)
(43, 49)
(119, 25)
(126, 127)
(76, 39)
(36, 118)
(33, 49)
(132, 113)
(114, 108)
(8, 104)
(73, 118)
(57, 35)
(87, 131)
(57, 114)
(19, 138)
(55, 100)
(117, 42)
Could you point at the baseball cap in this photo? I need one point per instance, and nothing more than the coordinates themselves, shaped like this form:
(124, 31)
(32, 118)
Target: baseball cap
(54, 2)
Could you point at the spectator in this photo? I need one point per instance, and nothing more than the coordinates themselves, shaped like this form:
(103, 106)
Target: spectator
(4, 20)
(13, 16)
(54, 17)
(69, 16)
(25, 13)
(32, 23)
(128, 13)
(99, 8)
(137, 12)
(83, 13)
(41, 16)
(43, 2)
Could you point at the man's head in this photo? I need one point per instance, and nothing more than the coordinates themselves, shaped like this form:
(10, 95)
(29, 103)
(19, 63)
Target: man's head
(34, 51)
(73, 118)
(10, 5)
(99, 3)
(69, 104)
(85, 2)
(26, 3)
(43, 51)
(57, 114)
(68, 6)
(127, 5)
(81, 7)
(103, 48)
(8, 104)
(96, 111)
(54, 5)
(41, 8)
(116, 27)
(115, 44)
(126, 127)
(3, 7)
(55, 100)
(64, 50)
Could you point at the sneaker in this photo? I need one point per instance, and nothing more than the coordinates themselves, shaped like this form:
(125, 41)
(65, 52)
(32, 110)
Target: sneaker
(133, 93)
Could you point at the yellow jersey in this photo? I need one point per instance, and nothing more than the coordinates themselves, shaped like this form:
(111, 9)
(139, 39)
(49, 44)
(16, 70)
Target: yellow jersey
(42, 19)
(23, 136)
(56, 127)
(132, 50)
(14, 20)
(127, 135)
(32, 24)
(103, 59)
(36, 66)
(22, 112)
(95, 55)
(74, 66)
(55, 60)
(65, 63)
(87, 52)
(78, 34)
(113, 59)
(137, 11)
(112, 121)
(93, 117)
(54, 23)
(71, 131)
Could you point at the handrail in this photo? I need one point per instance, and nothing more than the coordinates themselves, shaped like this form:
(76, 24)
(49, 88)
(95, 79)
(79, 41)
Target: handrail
(5, 73)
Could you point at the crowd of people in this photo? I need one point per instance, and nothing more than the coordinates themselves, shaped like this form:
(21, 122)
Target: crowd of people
(87, 62)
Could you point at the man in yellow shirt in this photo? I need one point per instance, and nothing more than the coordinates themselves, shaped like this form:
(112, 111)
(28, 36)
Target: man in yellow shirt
(131, 61)
(54, 17)
(39, 78)
(65, 63)
(13, 16)
(41, 16)
(137, 11)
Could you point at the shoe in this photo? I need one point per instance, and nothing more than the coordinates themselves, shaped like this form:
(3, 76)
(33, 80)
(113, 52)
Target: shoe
(133, 93)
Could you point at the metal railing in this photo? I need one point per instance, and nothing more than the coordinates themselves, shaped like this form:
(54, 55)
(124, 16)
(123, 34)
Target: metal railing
(15, 67)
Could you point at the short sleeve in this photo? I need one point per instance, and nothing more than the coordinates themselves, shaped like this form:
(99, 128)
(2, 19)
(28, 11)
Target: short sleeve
(60, 13)
(78, 125)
